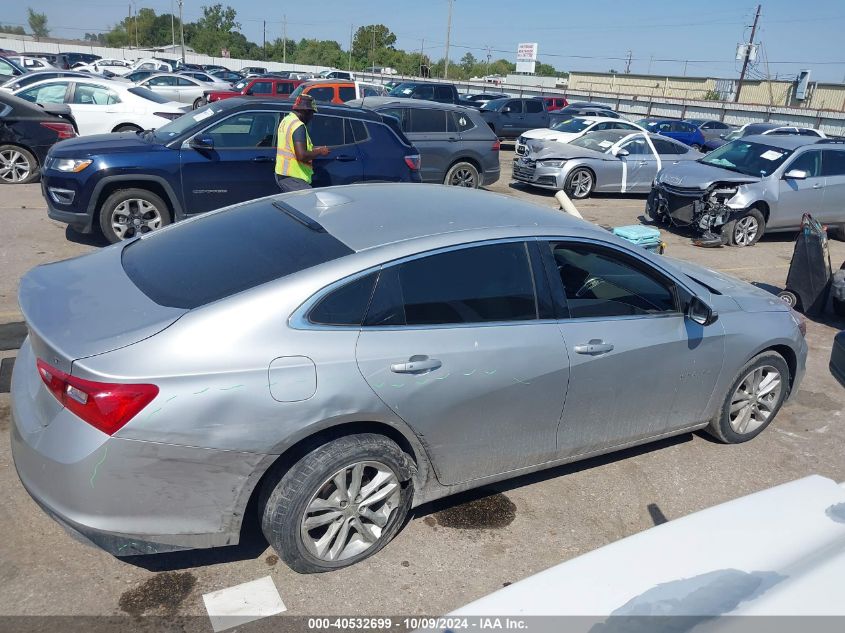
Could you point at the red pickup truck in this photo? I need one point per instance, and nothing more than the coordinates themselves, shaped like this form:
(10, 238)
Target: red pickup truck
(257, 87)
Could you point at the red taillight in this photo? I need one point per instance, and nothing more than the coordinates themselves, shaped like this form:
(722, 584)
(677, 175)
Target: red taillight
(497, 145)
(64, 130)
(105, 406)
(413, 162)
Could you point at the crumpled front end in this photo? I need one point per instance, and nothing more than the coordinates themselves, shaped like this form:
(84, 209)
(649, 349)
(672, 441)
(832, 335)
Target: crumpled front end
(702, 210)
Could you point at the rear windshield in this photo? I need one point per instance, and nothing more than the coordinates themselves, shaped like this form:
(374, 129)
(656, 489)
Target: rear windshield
(225, 253)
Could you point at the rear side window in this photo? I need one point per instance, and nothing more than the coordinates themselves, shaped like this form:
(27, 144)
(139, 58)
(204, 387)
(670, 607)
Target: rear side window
(533, 106)
(463, 121)
(356, 131)
(347, 305)
(833, 162)
(221, 254)
(425, 120)
(471, 285)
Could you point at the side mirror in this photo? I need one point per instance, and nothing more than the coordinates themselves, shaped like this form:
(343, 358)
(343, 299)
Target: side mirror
(723, 136)
(795, 174)
(506, 110)
(201, 143)
(620, 152)
(700, 312)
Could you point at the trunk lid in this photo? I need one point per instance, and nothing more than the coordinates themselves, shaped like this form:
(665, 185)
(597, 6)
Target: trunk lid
(87, 306)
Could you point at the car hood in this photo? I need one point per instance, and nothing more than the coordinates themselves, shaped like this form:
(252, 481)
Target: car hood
(214, 91)
(699, 567)
(551, 135)
(692, 174)
(542, 150)
(750, 298)
(99, 144)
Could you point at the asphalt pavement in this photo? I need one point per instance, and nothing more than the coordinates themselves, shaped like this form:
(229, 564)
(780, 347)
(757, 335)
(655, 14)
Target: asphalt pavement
(450, 552)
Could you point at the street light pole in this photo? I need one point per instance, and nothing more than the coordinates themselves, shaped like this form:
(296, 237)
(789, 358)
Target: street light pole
(172, 26)
(448, 35)
(182, 31)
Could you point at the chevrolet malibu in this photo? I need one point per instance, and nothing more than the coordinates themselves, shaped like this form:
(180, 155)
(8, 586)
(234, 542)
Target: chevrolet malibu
(339, 356)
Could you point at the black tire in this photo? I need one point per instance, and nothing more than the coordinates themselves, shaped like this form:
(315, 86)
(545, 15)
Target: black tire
(126, 127)
(696, 147)
(463, 174)
(580, 192)
(720, 427)
(735, 231)
(110, 207)
(836, 233)
(18, 159)
(790, 298)
(200, 102)
(284, 500)
(838, 307)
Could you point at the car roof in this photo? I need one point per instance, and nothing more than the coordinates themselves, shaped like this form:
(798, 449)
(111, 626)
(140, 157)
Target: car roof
(785, 141)
(354, 214)
(378, 102)
(601, 119)
(329, 81)
(285, 104)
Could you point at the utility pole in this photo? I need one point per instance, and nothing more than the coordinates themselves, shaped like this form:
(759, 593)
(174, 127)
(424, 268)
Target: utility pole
(351, 28)
(265, 40)
(373, 49)
(129, 27)
(650, 60)
(487, 66)
(172, 26)
(137, 45)
(285, 40)
(448, 35)
(628, 64)
(747, 55)
(182, 31)
(422, 58)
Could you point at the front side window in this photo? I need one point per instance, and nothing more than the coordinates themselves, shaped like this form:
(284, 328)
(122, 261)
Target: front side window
(47, 93)
(160, 81)
(668, 148)
(637, 146)
(443, 94)
(424, 92)
(425, 120)
(183, 82)
(346, 93)
(600, 283)
(324, 94)
(514, 107)
(247, 130)
(810, 162)
(262, 88)
(491, 283)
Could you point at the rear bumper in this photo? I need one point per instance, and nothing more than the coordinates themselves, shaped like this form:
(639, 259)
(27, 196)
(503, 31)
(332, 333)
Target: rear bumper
(837, 358)
(491, 175)
(125, 496)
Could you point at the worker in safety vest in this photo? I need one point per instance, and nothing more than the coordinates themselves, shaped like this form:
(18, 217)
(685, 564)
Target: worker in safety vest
(295, 151)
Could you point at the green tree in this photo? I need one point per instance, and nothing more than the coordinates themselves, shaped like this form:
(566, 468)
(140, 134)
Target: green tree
(37, 23)
(320, 53)
(214, 30)
(468, 63)
(546, 70)
(16, 30)
(712, 95)
(370, 40)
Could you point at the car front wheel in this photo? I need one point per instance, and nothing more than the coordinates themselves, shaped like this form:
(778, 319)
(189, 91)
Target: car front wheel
(746, 229)
(128, 213)
(580, 183)
(17, 165)
(339, 504)
(753, 400)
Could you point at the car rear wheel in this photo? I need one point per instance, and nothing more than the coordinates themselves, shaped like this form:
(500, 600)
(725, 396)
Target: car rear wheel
(339, 504)
(746, 229)
(463, 174)
(753, 400)
(18, 166)
(580, 183)
(128, 213)
(199, 103)
(127, 127)
(696, 147)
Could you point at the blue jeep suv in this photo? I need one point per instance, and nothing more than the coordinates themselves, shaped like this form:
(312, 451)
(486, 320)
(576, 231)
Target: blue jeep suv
(131, 183)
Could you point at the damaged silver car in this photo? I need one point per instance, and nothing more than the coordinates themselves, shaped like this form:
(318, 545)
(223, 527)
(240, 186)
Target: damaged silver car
(753, 185)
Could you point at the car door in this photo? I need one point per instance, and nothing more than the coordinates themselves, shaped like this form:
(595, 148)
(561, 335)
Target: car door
(535, 115)
(799, 196)
(239, 166)
(426, 128)
(164, 86)
(833, 170)
(189, 90)
(512, 118)
(260, 88)
(343, 165)
(638, 367)
(452, 343)
(97, 109)
(640, 165)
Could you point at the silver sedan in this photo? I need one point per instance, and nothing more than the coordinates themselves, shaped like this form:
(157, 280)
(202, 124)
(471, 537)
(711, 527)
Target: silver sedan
(339, 356)
(613, 161)
(179, 88)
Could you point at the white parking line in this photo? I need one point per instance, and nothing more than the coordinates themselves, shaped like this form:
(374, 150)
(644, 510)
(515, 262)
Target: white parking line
(243, 603)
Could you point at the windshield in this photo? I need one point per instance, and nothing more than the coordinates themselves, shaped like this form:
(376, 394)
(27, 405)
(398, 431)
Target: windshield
(647, 124)
(298, 91)
(242, 84)
(599, 141)
(149, 95)
(572, 125)
(184, 123)
(732, 136)
(402, 90)
(751, 159)
(495, 104)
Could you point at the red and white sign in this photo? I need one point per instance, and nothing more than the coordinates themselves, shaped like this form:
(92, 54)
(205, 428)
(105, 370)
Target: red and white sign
(526, 57)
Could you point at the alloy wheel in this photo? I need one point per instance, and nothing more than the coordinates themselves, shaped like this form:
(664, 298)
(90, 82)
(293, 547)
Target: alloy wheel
(349, 511)
(581, 184)
(134, 217)
(745, 230)
(755, 399)
(14, 166)
(463, 177)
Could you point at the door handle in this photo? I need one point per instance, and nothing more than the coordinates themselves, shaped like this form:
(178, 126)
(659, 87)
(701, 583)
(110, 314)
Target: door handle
(263, 159)
(594, 347)
(416, 365)
(817, 186)
(643, 162)
(453, 139)
(345, 158)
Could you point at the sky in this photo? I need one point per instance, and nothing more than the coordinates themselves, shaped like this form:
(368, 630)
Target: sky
(689, 37)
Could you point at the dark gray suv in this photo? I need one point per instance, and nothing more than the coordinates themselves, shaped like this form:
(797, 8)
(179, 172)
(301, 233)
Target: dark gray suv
(456, 145)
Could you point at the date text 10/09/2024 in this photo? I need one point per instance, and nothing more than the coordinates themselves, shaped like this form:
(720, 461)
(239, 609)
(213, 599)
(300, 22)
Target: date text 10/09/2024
(418, 624)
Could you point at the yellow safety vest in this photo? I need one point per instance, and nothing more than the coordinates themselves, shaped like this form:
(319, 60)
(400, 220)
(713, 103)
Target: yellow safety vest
(286, 163)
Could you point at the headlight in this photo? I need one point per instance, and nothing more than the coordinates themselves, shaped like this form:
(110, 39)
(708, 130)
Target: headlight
(552, 163)
(74, 165)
